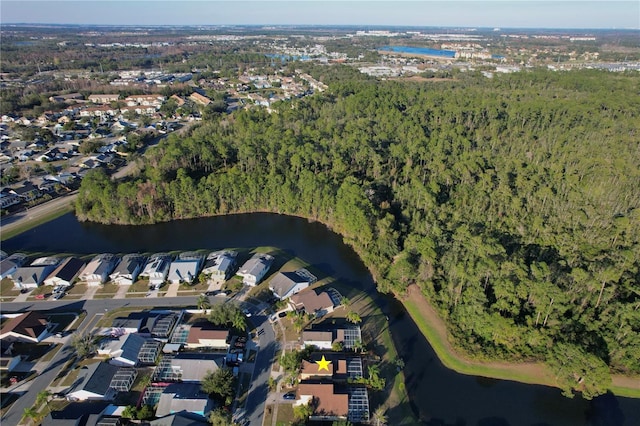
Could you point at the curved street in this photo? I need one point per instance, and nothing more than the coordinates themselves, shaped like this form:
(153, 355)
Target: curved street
(95, 309)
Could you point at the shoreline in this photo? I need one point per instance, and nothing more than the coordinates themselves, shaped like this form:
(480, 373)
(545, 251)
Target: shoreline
(534, 373)
(423, 314)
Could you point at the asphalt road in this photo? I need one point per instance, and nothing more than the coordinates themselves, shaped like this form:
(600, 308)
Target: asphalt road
(95, 309)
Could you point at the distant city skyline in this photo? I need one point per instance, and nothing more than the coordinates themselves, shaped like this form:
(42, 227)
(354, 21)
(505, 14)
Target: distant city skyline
(569, 14)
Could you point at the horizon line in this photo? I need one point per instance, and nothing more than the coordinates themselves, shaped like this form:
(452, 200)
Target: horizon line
(493, 28)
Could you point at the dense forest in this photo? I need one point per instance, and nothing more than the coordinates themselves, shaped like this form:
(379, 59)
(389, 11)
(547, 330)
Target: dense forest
(513, 202)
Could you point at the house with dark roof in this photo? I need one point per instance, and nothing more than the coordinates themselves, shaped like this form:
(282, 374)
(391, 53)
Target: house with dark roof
(127, 271)
(286, 284)
(122, 351)
(94, 383)
(121, 326)
(179, 397)
(30, 327)
(65, 273)
(308, 300)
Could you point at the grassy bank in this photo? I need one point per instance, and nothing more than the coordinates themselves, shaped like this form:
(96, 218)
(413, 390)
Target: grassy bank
(11, 230)
(434, 329)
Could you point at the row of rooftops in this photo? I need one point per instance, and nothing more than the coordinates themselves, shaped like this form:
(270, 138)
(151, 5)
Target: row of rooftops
(122, 270)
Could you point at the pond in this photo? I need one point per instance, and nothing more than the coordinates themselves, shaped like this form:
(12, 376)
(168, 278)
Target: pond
(438, 395)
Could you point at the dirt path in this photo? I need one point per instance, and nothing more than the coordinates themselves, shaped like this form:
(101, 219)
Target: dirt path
(503, 370)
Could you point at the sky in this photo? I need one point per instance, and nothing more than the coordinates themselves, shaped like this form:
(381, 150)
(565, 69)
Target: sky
(451, 13)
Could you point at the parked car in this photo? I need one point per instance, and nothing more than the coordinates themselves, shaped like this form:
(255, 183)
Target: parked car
(289, 395)
(58, 296)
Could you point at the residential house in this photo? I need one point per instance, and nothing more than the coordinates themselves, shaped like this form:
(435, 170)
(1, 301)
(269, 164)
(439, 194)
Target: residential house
(179, 397)
(98, 270)
(178, 99)
(308, 300)
(127, 271)
(11, 264)
(30, 327)
(336, 368)
(104, 98)
(319, 339)
(145, 100)
(122, 351)
(219, 265)
(94, 383)
(207, 335)
(199, 99)
(156, 269)
(193, 366)
(120, 326)
(255, 268)
(328, 405)
(183, 270)
(28, 192)
(65, 273)
(31, 276)
(8, 199)
(181, 418)
(286, 284)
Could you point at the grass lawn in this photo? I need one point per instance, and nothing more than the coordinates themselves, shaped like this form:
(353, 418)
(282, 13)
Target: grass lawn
(140, 286)
(108, 289)
(78, 289)
(285, 415)
(7, 289)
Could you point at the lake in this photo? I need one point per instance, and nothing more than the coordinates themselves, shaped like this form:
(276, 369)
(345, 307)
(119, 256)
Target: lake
(438, 395)
(425, 51)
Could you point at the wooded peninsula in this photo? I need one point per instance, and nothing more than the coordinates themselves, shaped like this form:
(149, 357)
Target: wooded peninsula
(513, 202)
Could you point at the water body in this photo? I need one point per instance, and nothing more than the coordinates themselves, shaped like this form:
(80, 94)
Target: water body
(438, 395)
(420, 51)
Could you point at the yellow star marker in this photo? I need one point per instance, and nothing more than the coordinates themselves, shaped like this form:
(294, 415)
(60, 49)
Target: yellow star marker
(323, 364)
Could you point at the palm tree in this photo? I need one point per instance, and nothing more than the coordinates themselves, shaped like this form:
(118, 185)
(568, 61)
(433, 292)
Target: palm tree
(379, 417)
(30, 413)
(203, 303)
(354, 317)
(43, 397)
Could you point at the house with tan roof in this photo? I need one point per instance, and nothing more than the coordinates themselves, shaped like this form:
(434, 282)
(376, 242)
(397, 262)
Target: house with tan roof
(199, 99)
(207, 335)
(30, 327)
(103, 98)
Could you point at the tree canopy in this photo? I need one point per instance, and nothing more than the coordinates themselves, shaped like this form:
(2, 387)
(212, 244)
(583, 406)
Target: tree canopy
(511, 202)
